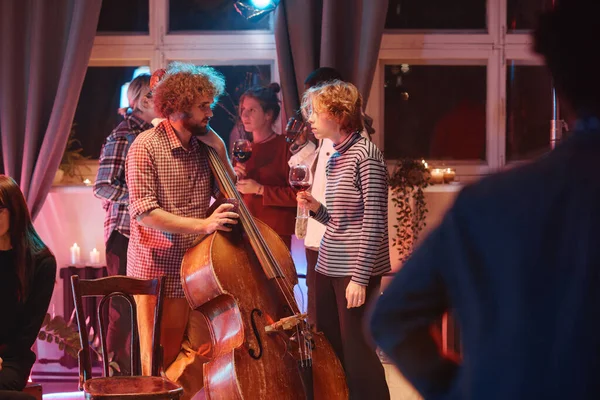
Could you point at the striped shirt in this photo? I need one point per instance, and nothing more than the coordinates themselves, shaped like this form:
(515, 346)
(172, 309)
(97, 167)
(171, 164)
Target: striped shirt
(161, 173)
(110, 183)
(355, 216)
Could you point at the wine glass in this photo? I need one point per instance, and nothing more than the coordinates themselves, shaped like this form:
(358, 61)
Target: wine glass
(242, 150)
(294, 127)
(300, 179)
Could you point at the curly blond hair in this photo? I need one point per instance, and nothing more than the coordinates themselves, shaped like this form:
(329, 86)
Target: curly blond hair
(341, 100)
(182, 85)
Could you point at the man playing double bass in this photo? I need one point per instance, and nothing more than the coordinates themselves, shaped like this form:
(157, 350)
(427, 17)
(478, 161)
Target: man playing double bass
(170, 184)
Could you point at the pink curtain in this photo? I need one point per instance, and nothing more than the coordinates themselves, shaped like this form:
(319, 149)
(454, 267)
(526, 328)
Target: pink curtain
(343, 34)
(45, 48)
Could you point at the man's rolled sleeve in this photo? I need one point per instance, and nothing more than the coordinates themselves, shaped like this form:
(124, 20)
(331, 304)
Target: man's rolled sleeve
(141, 181)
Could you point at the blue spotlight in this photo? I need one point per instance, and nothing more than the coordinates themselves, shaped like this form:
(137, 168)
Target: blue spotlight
(261, 4)
(254, 10)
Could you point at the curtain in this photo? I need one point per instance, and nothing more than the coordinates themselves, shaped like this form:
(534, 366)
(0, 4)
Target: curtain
(343, 34)
(45, 47)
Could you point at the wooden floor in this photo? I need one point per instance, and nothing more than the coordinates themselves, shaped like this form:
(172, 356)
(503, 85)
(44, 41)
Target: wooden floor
(400, 389)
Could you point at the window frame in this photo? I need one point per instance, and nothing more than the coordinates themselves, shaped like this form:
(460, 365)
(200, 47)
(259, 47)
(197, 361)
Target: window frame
(158, 47)
(495, 47)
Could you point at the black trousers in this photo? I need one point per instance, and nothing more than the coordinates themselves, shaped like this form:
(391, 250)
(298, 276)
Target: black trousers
(311, 306)
(345, 330)
(14, 395)
(13, 378)
(14, 375)
(119, 316)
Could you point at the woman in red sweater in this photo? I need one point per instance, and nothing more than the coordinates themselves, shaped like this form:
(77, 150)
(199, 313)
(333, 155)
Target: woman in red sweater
(263, 179)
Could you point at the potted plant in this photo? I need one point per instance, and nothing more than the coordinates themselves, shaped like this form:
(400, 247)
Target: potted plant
(72, 155)
(64, 334)
(407, 182)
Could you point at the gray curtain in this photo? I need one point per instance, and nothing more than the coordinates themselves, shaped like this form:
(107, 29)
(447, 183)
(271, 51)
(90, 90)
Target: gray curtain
(343, 34)
(45, 47)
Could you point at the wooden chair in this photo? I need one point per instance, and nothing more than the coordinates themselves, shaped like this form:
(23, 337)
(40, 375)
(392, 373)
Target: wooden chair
(33, 389)
(135, 386)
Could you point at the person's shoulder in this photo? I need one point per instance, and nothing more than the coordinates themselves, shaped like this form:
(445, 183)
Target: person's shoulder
(45, 263)
(121, 132)
(149, 138)
(365, 149)
(510, 189)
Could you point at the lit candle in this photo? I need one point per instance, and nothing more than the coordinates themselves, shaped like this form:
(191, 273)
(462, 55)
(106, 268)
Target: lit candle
(437, 176)
(87, 182)
(75, 254)
(449, 175)
(94, 257)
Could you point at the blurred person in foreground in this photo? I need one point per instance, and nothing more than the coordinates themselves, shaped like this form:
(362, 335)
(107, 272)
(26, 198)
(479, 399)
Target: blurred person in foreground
(27, 276)
(517, 257)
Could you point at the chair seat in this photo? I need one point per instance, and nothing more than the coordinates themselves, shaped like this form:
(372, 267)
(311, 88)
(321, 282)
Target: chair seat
(132, 386)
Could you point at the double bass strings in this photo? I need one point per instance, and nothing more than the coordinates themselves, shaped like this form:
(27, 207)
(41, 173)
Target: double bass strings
(258, 244)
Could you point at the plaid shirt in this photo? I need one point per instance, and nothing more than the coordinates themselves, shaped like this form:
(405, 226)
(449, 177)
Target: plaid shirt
(162, 174)
(110, 181)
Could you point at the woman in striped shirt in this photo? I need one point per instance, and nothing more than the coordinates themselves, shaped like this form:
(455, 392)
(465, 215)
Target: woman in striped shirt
(354, 252)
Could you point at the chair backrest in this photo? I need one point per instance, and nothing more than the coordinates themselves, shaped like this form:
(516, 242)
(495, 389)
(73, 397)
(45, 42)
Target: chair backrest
(117, 286)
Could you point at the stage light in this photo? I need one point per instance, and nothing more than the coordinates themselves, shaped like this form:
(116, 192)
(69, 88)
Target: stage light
(261, 4)
(253, 10)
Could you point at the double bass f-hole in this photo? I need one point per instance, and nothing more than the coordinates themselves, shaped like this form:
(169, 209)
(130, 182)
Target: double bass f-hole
(253, 352)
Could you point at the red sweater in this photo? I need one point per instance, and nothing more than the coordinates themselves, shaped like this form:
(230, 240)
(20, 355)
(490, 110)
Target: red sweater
(268, 166)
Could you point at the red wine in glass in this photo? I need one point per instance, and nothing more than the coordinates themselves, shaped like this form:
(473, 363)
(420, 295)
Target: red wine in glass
(299, 186)
(300, 177)
(293, 128)
(242, 150)
(300, 180)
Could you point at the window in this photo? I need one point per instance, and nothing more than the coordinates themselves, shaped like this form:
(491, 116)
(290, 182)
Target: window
(463, 71)
(96, 115)
(117, 54)
(523, 14)
(124, 17)
(435, 112)
(436, 15)
(215, 15)
(529, 109)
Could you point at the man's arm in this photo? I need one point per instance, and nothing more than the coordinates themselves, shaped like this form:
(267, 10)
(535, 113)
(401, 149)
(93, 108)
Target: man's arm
(164, 221)
(110, 180)
(410, 305)
(144, 206)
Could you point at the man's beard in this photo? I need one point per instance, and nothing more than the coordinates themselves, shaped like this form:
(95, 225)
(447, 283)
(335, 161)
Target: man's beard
(195, 129)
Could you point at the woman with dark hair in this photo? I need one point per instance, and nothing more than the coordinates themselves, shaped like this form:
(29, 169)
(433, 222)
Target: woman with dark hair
(27, 273)
(263, 179)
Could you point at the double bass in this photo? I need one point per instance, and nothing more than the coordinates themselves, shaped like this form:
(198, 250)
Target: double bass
(262, 347)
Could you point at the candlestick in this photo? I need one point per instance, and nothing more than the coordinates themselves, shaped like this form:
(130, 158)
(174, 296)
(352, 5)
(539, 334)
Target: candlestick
(94, 257)
(437, 176)
(75, 254)
(449, 175)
